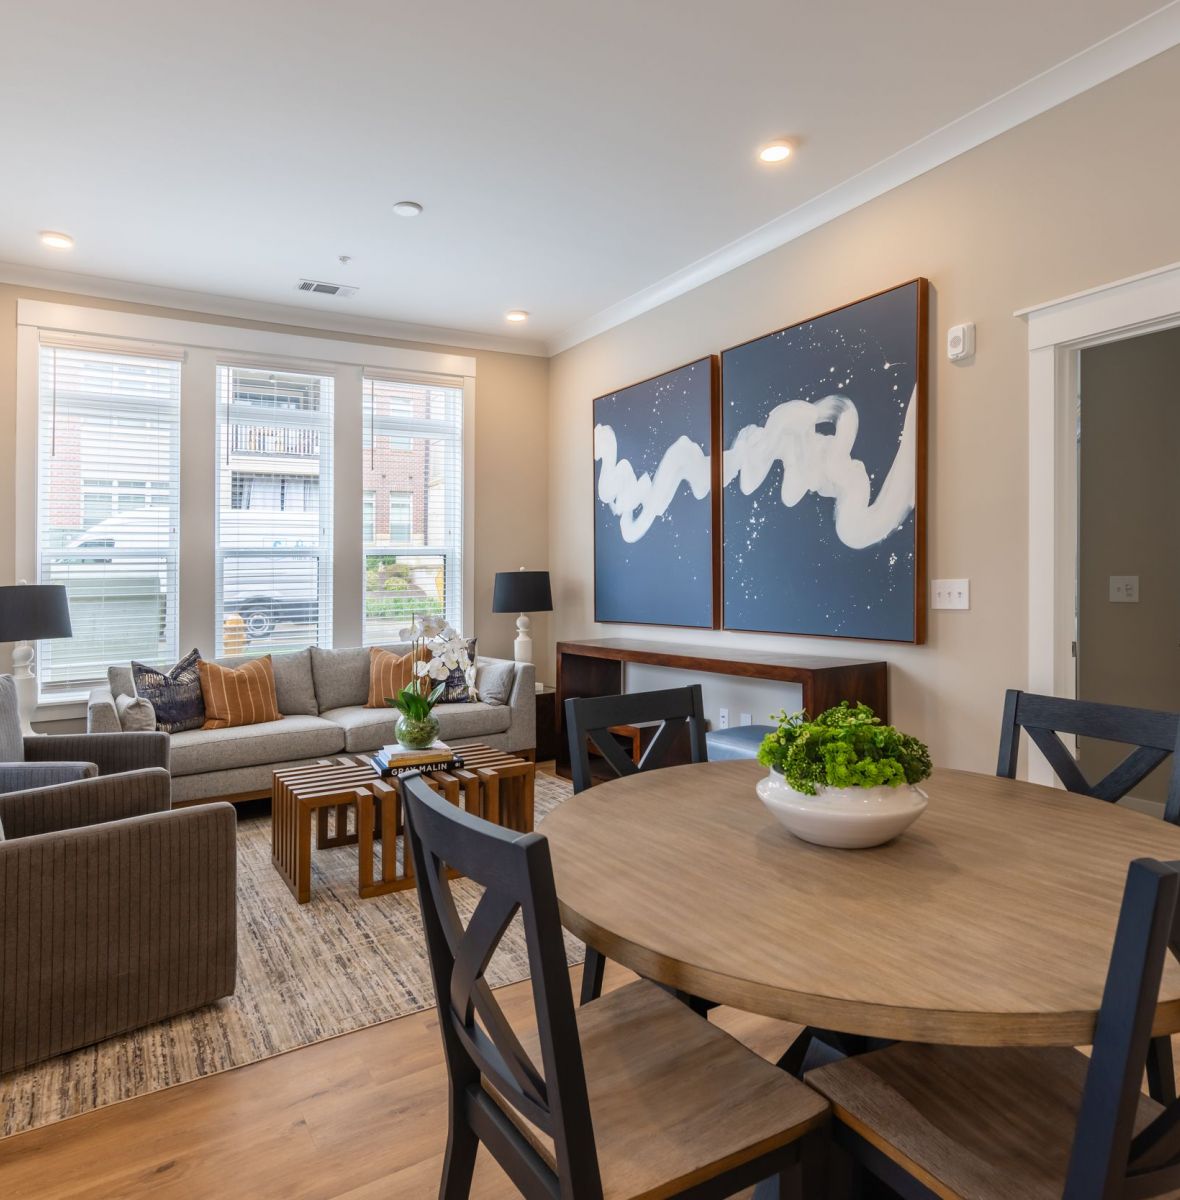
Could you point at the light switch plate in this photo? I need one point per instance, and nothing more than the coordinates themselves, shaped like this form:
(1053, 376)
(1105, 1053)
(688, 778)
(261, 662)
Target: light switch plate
(950, 593)
(723, 718)
(746, 719)
(1124, 589)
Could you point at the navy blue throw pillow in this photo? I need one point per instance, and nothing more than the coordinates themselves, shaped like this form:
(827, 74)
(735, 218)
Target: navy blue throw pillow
(175, 695)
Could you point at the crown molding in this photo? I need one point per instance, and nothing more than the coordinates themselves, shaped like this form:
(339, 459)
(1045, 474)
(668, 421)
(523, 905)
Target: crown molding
(1152, 35)
(208, 304)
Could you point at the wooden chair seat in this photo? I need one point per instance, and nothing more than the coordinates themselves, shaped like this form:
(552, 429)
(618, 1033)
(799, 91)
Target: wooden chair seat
(969, 1124)
(674, 1099)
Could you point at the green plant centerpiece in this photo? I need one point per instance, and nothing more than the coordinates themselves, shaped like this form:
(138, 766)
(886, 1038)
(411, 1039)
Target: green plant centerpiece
(844, 779)
(436, 651)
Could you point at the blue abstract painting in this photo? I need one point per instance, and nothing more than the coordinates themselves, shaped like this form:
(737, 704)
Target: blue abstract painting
(654, 500)
(824, 434)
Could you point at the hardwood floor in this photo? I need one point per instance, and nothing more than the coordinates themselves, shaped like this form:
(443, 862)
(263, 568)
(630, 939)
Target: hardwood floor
(356, 1118)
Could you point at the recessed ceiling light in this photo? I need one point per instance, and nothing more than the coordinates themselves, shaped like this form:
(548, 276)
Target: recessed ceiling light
(517, 314)
(59, 241)
(407, 208)
(775, 152)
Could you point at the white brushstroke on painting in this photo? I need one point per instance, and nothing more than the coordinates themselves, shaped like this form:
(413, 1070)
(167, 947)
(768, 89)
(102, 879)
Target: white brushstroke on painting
(639, 500)
(812, 462)
(823, 463)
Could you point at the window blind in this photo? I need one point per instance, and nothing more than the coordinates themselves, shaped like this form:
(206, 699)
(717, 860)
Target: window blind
(108, 507)
(274, 510)
(412, 476)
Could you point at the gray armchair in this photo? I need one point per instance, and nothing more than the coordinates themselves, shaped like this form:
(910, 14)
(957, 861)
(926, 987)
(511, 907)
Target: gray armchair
(116, 910)
(27, 762)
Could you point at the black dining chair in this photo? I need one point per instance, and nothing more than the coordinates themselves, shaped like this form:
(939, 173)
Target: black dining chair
(631, 1096)
(591, 718)
(1154, 735)
(994, 1123)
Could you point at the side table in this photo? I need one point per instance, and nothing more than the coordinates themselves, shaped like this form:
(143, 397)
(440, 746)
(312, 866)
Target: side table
(547, 723)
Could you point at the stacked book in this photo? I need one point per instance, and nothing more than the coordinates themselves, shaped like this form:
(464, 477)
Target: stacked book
(397, 760)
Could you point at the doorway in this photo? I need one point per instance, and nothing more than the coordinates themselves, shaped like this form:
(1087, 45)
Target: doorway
(1128, 538)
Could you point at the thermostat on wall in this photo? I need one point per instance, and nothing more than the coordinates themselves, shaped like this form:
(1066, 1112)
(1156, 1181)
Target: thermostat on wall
(960, 341)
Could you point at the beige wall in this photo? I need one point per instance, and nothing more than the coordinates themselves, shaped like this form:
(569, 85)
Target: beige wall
(511, 469)
(1129, 513)
(1082, 195)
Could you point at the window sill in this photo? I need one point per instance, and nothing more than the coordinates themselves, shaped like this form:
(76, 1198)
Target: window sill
(60, 708)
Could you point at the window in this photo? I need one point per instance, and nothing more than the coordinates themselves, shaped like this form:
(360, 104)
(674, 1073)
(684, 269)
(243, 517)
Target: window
(401, 518)
(412, 466)
(271, 493)
(274, 511)
(108, 467)
(369, 516)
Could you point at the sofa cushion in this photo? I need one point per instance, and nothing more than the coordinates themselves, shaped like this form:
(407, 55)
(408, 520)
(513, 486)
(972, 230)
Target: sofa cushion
(175, 694)
(493, 680)
(136, 715)
(242, 695)
(389, 673)
(199, 750)
(471, 719)
(342, 676)
(457, 685)
(294, 687)
(371, 728)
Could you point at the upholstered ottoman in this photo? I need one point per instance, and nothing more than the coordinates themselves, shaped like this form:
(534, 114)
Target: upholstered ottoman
(742, 741)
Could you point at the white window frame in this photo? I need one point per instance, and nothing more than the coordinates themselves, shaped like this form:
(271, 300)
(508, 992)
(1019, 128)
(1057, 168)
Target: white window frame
(458, 602)
(206, 344)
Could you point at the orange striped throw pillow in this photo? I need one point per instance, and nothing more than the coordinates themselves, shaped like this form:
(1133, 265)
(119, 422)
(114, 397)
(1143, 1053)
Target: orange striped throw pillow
(388, 674)
(238, 695)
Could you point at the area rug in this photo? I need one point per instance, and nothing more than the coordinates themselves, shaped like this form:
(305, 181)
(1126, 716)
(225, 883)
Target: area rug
(306, 973)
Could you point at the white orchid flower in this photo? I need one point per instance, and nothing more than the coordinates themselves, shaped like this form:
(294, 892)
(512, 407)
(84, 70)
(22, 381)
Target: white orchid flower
(450, 658)
(421, 667)
(437, 669)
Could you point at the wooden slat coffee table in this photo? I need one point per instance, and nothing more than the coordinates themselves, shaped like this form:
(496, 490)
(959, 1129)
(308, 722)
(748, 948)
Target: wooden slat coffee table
(492, 783)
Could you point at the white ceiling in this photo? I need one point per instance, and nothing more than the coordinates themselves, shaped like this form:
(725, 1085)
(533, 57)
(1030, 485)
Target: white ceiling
(568, 155)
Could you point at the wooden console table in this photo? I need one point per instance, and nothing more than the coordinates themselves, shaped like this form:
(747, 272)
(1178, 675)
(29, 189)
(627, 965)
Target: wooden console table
(595, 668)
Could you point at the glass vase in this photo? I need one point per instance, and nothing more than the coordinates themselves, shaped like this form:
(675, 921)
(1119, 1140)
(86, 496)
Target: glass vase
(416, 735)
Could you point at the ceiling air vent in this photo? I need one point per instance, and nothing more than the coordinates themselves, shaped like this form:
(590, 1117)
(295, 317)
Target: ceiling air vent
(325, 289)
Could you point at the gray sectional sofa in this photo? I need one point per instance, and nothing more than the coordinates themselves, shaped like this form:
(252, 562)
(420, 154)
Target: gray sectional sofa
(321, 694)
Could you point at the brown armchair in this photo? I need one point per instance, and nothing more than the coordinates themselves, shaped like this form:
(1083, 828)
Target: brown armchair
(116, 910)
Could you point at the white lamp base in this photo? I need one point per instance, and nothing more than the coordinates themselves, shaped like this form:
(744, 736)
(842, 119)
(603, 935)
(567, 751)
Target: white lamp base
(522, 648)
(26, 686)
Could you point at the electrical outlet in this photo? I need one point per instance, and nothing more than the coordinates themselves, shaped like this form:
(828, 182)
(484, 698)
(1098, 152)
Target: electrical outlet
(747, 719)
(723, 718)
(1124, 589)
(950, 593)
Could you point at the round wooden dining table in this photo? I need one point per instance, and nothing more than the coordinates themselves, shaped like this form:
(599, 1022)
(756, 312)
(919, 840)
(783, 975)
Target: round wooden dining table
(989, 922)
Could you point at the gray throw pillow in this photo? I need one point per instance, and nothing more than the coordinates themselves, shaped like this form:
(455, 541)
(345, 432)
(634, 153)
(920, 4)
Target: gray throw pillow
(136, 714)
(175, 695)
(493, 681)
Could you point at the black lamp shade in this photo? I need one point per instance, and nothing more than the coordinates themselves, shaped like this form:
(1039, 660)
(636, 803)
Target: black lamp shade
(30, 612)
(522, 592)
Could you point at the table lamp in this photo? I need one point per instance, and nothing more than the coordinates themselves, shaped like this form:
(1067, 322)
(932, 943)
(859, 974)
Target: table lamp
(522, 592)
(31, 612)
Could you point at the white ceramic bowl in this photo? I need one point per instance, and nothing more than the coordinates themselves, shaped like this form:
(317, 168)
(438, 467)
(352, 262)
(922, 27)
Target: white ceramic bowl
(849, 818)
